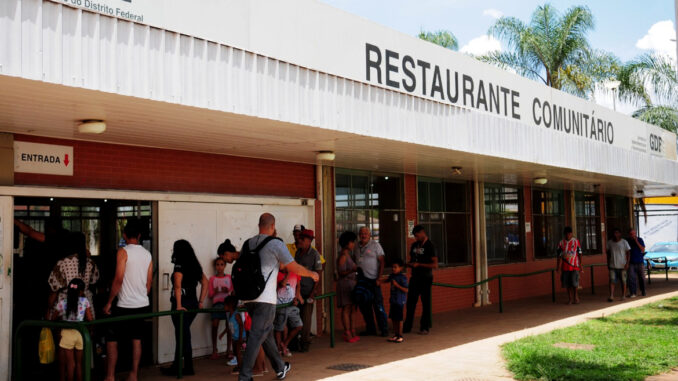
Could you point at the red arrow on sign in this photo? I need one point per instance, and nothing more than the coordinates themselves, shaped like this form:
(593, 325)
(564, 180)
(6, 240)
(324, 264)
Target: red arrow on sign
(66, 160)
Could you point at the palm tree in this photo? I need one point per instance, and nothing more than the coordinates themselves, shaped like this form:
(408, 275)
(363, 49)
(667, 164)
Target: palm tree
(444, 38)
(553, 49)
(651, 81)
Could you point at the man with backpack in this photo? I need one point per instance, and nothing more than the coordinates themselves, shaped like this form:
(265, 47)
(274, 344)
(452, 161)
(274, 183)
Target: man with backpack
(255, 277)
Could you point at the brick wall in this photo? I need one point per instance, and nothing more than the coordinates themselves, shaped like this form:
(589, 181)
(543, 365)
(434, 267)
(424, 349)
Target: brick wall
(109, 166)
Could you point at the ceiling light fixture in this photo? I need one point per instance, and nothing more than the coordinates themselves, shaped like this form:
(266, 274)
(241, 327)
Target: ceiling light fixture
(456, 171)
(92, 126)
(325, 156)
(541, 180)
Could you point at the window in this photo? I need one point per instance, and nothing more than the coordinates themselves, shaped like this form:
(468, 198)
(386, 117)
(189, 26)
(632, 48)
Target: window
(504, 223)
(548, 221)
(85, 219)
(375, 201)
(617, 214)
(444, 212)
(587, 210)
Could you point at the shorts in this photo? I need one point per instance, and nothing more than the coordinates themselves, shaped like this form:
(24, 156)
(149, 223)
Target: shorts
(71, 339)
(287, 315)
(395, 312)
(234, 328)
(219, 315)
(569, 279)
(616, 275)
(131, 329)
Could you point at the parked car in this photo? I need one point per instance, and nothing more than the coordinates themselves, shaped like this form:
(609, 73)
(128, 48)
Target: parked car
(663, 254)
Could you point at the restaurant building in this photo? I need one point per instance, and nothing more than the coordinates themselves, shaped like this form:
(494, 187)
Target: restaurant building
(199, 116)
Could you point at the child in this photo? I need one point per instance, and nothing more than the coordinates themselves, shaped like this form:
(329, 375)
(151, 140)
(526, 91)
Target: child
(75, 307)
(398, 282)
(235, 327)
(288, 292)
(239, 324)
(220, 286)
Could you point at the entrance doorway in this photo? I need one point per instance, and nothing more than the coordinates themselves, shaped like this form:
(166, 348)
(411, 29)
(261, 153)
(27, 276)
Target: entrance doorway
(102, 222)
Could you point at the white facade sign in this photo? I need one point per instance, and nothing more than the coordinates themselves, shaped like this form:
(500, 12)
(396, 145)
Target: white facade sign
(48, 159)
(352, 47)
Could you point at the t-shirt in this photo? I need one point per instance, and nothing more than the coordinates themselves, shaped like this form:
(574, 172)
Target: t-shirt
(618, 253)
(367, 258)
(220, 287)
(398, 296)
(272, 255)
(292, 247)
(422, 254)
(570, 252)
(310, 260)
(288, 291)
(189, 284)
(636, 253)
(83, 305)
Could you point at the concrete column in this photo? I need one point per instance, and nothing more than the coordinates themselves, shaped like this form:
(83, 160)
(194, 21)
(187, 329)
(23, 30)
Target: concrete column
(482, 292)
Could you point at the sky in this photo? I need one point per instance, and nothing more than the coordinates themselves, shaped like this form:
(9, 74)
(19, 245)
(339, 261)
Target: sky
(626, 28)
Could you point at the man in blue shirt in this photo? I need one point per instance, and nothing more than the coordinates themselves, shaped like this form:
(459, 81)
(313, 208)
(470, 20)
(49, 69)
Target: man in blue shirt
(636, 268)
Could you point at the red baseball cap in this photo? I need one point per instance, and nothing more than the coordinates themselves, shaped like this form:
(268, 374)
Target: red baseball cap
(308, 233)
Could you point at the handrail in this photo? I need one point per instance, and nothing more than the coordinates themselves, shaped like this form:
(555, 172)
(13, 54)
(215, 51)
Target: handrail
(499, 277)
(649, 269)
(82, 327)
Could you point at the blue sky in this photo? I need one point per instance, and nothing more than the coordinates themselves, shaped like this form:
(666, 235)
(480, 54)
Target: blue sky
(620, 24)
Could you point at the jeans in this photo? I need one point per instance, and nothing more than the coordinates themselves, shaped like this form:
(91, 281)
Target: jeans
(376, 307)
(636, 274)
(260, 336)
(188, 346)
(419, 286)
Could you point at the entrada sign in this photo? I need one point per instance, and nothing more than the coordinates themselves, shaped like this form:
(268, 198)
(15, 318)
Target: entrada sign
(48, 159)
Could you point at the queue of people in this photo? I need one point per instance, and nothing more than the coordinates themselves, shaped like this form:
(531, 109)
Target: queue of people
(265, 322)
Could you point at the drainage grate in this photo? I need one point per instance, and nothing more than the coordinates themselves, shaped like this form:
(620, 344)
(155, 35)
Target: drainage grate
(348, 367)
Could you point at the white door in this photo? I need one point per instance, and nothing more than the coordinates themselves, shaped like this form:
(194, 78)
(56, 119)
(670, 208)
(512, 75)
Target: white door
(205, 226)
(6, 253)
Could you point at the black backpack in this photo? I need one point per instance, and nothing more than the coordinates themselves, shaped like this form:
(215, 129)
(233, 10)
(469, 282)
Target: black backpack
(248, 280)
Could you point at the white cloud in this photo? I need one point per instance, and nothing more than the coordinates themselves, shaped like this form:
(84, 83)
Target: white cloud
(494, 13)
(659, 39)
(481, 45)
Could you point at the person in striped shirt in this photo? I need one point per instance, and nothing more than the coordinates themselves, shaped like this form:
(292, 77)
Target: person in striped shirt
(569, 265)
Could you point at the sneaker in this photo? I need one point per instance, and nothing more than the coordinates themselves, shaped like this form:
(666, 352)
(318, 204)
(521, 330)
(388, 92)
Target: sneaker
(287, 353)
(632, 296)
(283, 373)
(236, 370)
(232, 362)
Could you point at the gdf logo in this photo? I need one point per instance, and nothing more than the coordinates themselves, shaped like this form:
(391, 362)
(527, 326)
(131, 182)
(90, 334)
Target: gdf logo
(655, 143)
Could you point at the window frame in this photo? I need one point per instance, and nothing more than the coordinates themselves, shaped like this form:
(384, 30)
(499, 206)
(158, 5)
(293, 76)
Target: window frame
(583, 234)
(370, 209)
(501, 217)
(442, 247)
(548, 219)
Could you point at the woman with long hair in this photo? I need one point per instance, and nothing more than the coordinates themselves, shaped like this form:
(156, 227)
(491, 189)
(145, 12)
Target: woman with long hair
(185, 278)
(346, 271)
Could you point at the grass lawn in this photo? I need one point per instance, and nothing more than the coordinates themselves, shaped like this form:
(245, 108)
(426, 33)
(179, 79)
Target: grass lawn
(629, 345)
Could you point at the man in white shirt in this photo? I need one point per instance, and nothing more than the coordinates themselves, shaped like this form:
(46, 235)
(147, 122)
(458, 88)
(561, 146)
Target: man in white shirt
(618, 256)
(131, 285)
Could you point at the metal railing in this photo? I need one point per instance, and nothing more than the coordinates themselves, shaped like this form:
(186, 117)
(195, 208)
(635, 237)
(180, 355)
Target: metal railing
(499, 278)
(83, 328)
(649, 268)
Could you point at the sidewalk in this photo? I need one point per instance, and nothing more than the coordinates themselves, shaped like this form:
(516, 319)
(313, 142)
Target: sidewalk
(463, 345)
